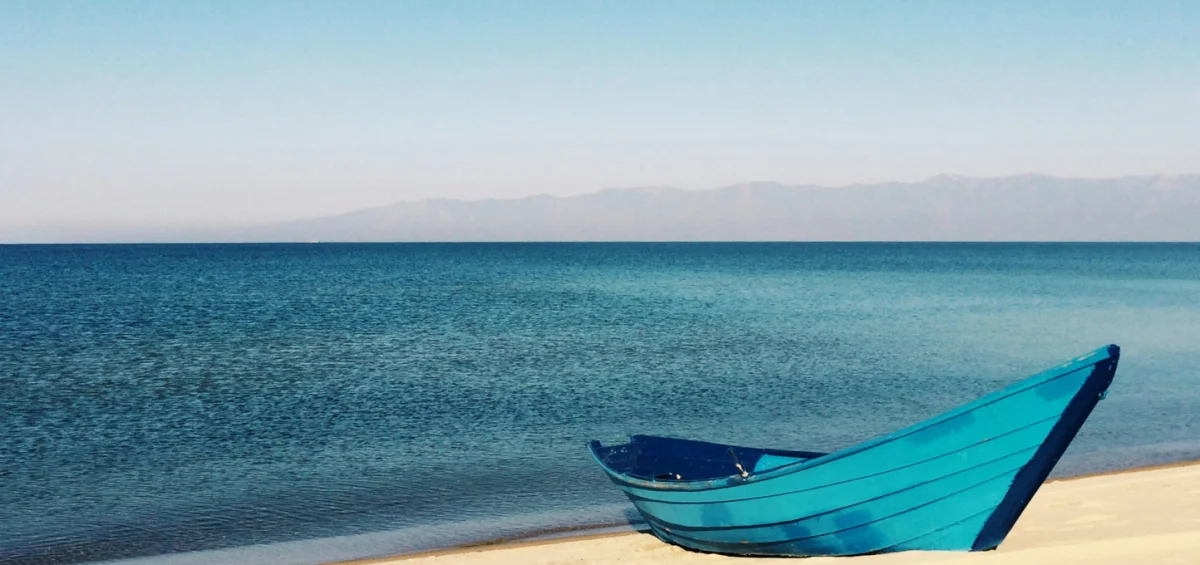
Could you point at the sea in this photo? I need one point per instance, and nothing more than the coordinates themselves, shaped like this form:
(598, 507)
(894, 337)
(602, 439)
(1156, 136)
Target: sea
(304, 403)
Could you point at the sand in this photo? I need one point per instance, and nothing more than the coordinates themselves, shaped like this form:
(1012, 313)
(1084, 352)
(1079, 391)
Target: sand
(1145, 517)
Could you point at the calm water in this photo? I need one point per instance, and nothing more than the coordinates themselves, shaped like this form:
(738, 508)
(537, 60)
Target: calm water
(334, 401)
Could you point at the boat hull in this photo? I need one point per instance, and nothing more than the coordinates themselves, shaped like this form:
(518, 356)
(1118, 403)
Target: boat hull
(958, 481)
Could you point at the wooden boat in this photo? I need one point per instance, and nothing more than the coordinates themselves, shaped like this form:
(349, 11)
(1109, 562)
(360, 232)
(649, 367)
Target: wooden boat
(958, 481)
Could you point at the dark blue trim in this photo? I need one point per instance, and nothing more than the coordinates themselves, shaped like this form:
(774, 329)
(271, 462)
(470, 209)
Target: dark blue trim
(1031, 477)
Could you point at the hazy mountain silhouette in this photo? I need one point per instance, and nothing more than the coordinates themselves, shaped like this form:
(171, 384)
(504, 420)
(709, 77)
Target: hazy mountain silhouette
(943, 208)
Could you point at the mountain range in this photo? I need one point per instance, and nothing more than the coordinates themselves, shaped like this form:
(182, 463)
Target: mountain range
(944, 208)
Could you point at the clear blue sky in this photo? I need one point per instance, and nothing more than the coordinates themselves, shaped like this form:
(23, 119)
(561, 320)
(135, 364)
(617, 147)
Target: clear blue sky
(240, 112)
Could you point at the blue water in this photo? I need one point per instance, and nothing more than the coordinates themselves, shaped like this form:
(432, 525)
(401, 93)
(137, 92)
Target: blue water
(333, 401)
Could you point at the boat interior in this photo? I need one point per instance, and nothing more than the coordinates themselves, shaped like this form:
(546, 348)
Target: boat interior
(670, 459)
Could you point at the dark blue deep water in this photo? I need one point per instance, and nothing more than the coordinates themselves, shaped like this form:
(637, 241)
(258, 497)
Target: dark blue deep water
(314, 402)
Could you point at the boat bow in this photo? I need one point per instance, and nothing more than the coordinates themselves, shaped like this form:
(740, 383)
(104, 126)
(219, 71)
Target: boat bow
(957, 481)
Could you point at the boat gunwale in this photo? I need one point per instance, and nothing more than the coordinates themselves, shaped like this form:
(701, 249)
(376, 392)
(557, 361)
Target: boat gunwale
(1084, 361)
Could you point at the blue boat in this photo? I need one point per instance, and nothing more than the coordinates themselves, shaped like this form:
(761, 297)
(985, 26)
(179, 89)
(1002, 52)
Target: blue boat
(958, 481)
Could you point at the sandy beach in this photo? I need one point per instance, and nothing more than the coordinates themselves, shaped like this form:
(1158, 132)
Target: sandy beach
(1146, 517)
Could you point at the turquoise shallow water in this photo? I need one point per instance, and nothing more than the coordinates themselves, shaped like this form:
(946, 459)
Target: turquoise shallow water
(334, 401)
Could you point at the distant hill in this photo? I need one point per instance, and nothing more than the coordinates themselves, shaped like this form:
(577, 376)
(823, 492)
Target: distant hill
(944, 208)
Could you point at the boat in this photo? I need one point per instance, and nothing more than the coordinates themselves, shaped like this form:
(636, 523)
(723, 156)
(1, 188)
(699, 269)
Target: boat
(957, 481)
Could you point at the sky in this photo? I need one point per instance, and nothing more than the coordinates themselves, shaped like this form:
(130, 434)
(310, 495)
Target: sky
(241, 112)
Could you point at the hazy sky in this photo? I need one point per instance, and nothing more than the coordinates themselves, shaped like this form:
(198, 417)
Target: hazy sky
(241, 111)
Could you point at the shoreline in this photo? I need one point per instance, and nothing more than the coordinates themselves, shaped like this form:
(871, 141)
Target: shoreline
(561, 535)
